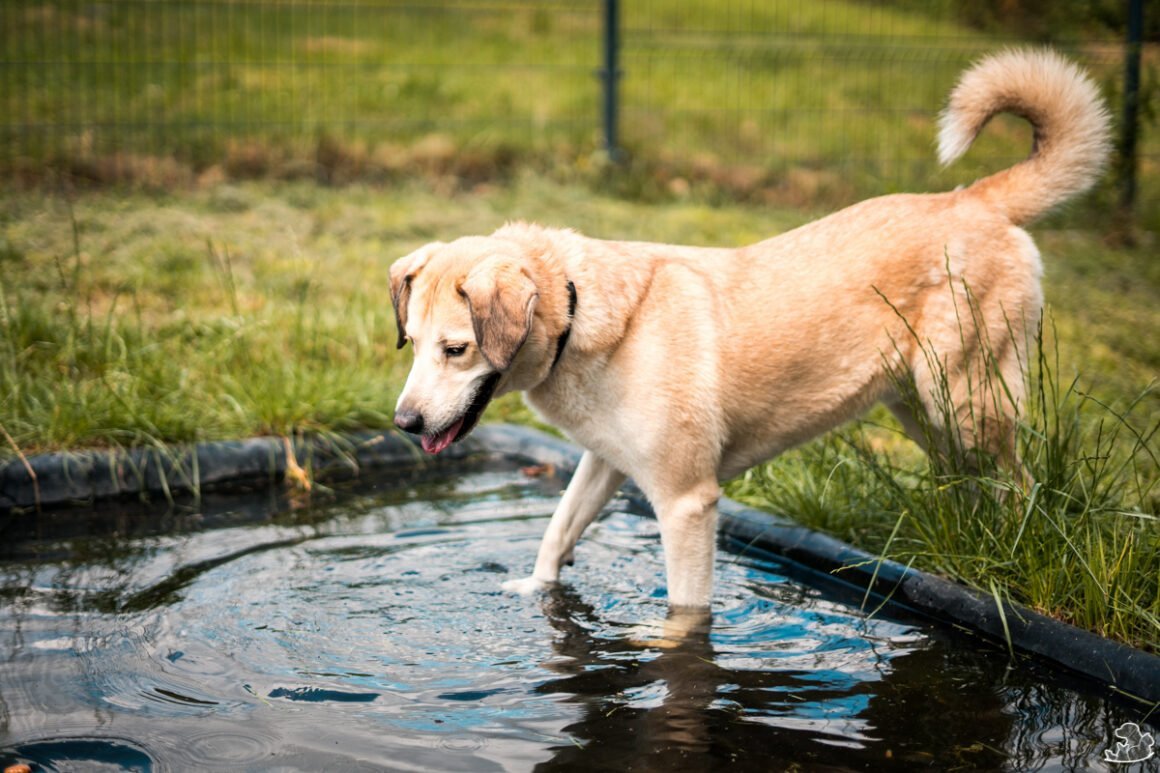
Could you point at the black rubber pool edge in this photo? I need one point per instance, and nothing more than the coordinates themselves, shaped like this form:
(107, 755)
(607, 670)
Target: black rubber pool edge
(54, 480)
(87, 476)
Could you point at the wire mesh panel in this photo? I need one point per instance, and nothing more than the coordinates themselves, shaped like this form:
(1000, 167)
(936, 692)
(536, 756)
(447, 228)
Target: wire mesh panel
(205, 80)
(821, 95)
(802, 98)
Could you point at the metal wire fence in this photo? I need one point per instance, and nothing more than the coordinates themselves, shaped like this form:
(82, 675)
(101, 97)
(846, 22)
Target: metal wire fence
(804, 96)
(195, 78)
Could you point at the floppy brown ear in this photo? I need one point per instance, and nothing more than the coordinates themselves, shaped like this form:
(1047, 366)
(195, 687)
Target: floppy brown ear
(502, 300)
(403, 271)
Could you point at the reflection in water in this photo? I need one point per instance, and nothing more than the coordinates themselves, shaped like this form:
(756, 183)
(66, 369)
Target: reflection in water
(372, 633)
(671, 706)
(647, 703)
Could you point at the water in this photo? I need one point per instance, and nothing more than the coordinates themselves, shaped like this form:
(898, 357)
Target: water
(371, 634)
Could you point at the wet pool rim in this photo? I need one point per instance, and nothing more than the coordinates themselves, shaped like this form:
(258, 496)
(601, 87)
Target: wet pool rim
(60, 479)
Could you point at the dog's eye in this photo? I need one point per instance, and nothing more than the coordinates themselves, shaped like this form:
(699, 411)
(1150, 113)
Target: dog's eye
(455, 351)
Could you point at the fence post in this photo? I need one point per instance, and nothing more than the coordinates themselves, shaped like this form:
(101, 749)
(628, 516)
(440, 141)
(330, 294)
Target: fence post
(610, 76)
(1128, 130)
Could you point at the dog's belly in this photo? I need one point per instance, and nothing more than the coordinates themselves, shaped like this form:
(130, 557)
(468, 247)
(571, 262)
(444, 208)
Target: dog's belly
(761, 444)
(777, 416)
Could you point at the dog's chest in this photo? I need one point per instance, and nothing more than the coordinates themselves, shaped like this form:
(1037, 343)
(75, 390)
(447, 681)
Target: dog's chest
(589, 411)
(569, 404)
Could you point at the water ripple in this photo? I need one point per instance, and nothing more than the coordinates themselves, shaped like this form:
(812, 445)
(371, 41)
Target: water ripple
(379, 634)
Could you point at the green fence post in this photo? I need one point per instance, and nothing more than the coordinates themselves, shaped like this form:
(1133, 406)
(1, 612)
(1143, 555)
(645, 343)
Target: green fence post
(610, 75)
(1128, 130)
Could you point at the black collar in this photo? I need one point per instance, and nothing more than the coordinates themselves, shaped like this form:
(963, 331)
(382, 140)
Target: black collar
(562, 341)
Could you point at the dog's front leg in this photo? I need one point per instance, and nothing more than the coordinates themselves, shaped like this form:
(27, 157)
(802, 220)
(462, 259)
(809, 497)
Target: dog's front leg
(591, 487)
(688, 524)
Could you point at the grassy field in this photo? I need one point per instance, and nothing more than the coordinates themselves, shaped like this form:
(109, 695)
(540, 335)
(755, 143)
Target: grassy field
(788, 101)
(262, 307)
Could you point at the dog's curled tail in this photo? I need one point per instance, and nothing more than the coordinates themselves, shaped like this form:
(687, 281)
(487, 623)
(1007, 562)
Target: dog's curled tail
(1071, 125)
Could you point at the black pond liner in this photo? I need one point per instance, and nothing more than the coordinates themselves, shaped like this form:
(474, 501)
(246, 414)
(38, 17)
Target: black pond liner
(85, 477)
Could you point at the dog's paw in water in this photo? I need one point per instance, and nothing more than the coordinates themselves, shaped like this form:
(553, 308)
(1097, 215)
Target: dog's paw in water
(527, 586)
(653, 634)
(682, 627)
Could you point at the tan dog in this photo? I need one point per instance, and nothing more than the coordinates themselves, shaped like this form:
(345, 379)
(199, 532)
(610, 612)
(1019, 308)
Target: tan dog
(684, 366)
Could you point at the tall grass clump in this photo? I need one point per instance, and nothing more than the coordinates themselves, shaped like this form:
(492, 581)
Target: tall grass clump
(1071, 530)
(189, 353)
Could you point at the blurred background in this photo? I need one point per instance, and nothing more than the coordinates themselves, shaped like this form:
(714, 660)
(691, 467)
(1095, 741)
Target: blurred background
(795, 102)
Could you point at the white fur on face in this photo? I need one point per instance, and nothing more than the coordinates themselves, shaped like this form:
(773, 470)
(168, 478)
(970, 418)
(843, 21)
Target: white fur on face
(440, 386)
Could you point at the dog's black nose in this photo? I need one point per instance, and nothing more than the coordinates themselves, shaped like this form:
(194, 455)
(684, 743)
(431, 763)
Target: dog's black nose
(409, 421)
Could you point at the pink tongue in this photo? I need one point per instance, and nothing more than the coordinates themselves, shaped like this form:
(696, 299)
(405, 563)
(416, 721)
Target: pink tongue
(433, 444)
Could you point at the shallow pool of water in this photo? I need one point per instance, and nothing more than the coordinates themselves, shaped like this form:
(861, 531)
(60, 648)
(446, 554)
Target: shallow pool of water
(371, 633)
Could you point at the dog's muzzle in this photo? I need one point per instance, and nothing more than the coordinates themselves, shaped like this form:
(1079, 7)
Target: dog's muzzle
(433, 442)
(409, 420)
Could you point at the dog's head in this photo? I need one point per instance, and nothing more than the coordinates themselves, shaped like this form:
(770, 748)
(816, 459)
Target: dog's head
(474, 311)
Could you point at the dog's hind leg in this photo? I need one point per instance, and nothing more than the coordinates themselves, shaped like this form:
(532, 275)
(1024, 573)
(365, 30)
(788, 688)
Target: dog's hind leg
(913, 418)
(990, 416)
(593, 484)
(968, 406)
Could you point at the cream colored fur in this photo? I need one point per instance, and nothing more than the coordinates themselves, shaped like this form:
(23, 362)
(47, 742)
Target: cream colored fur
(685, 366)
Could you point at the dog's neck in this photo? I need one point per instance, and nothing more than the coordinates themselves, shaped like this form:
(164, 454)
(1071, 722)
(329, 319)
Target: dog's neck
(562, 340)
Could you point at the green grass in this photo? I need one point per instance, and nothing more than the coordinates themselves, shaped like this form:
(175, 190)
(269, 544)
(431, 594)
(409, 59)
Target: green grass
(262, 307)
(789, 101)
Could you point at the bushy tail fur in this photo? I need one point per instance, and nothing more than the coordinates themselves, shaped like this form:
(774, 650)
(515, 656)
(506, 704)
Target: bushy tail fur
(1065, 109)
